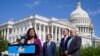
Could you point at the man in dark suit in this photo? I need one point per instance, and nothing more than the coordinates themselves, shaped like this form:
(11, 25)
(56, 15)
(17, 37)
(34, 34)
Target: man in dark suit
(49, 47)
(64, 41)
(74, 44)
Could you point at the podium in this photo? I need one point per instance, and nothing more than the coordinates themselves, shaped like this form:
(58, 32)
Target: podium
(21, 49)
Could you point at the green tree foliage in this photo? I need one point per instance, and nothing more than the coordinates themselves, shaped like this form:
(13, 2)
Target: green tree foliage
(3, 43)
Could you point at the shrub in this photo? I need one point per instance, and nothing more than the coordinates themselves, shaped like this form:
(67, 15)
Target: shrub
(90, 51)
(87, 51)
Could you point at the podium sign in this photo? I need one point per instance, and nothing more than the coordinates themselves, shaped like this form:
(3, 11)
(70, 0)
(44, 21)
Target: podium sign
(29, 48)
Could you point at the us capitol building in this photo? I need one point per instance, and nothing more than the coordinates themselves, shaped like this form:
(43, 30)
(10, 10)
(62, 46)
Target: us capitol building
(79, 19)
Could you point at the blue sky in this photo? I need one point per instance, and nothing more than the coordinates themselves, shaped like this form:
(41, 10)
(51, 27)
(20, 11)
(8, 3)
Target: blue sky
(18, 9)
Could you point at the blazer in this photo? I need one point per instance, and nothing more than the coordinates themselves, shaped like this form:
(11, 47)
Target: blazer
(38, 47)
(74, 48)
(63, 46)
(51, 51)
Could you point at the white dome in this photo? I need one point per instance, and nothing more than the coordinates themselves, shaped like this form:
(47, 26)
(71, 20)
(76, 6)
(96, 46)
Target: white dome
(79, 12)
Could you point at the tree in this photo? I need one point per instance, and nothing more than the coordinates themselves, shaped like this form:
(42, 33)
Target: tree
(3, 43)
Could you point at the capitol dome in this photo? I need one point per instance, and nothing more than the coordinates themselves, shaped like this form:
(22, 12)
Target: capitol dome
(79, 12)
(81, 20)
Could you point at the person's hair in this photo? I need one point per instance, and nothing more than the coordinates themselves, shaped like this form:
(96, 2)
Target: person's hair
(67, 29)
(28, 33)
(48, 34)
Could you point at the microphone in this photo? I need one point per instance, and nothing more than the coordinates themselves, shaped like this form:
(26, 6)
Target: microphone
(24, 37)
(20, 40)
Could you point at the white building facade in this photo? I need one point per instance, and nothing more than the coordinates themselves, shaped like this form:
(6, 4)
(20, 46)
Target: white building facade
(79, 19)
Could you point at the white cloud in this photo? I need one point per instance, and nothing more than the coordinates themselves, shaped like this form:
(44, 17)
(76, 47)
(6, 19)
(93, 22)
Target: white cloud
(33, 4)
(93, 13)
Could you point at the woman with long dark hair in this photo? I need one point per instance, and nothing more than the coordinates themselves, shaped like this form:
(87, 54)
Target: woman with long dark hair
(32, 38)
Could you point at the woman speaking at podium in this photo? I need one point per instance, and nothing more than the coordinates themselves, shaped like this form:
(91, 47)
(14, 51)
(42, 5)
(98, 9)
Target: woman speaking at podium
(33, 39)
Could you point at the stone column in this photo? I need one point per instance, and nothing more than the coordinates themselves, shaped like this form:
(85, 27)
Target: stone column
(48, 30)
(30, 25)
(55, 38)
(35, 26)
(44, 37)
(52, 32)
(83, 29)
(87, 29)
(4, 33)
(59, 34)
(62, 33)
(40, 31)
(8, 34)
(19, 34)
(24, 31)
(12, 35)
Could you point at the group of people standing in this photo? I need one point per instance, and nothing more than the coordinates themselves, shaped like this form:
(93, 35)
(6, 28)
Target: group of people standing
(69, 45)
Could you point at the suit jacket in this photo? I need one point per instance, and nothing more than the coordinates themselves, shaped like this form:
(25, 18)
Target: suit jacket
(63, 46)
(38, 47)
(51, 51)
(74, 48)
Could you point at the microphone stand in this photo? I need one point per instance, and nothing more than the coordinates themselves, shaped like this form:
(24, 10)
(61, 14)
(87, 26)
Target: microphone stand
(20, 44)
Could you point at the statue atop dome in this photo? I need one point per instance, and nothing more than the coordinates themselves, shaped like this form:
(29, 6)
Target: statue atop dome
(79, 12)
